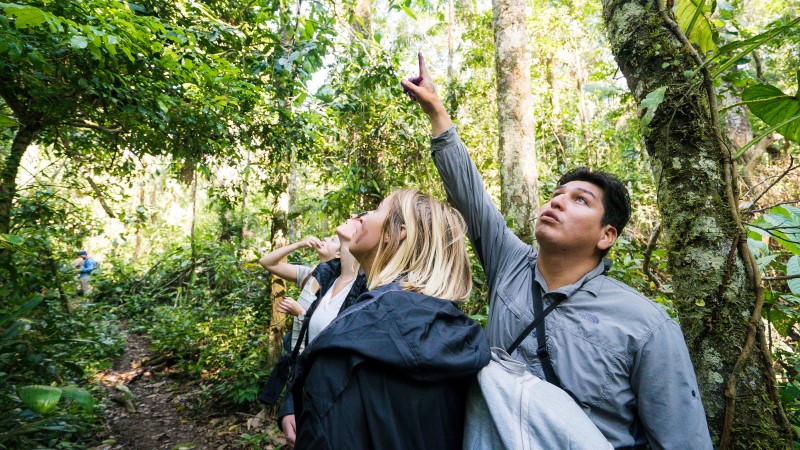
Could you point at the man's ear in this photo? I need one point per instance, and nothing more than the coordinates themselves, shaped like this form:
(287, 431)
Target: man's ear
(607, 238)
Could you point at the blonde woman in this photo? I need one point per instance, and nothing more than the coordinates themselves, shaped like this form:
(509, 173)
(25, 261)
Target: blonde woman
(391, 371)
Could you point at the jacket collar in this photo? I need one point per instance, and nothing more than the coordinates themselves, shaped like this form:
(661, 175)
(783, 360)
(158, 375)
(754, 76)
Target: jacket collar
(591, 282)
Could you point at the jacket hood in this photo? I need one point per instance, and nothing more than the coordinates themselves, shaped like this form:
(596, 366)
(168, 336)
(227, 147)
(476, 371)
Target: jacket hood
(424, 337)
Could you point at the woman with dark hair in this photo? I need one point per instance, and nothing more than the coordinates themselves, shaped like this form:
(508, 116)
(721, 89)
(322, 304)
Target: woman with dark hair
(336, 284)
(391, 371)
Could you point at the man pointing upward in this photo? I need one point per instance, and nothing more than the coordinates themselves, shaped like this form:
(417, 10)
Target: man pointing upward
(618, 354)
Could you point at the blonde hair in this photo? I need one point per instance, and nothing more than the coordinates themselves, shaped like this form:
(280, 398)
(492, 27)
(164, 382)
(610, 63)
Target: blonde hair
(432, 259)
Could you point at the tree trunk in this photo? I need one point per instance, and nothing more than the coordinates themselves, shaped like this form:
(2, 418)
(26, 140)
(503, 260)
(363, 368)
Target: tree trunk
(8, 189)
(518, 171)
(715, 284)
(277, 323)
(193, 196)
(243, 232)
(362, 19)
(137, 250)
(369, 165)
(555, 114)
(8, 177)
(451, 46)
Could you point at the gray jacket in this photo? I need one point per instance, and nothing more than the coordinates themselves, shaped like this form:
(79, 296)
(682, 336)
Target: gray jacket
(616, 352)
(510, 409)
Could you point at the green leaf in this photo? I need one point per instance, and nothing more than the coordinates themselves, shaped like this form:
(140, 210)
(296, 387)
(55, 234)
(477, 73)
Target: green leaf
(757, 247)
(11, 238)
(765, 261)
(650, 104)
(793, 268)
(409, 12)
(25, 16)
(40, 399)
(79, 41)
(783, 225)
(79, 395)
(694, 18)
(21, 311)
(775, 108)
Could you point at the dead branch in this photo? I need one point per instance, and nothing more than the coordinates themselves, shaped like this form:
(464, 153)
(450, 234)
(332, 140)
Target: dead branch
(774, 182)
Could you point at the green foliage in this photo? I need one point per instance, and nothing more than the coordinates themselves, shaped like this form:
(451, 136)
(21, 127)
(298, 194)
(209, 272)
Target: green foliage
(694, 17)
(781, 227)
(781, 223)
(39, 344)
(778, 110)
(43, 399)
(650, 103)
(212, 317)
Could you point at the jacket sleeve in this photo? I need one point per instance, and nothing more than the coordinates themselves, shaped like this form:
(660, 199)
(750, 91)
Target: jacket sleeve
(287, 407)
(88, 266)
(492, 240)
(668, 399)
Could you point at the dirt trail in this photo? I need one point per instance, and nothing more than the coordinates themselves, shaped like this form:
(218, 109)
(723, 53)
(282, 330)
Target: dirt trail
(147, 410)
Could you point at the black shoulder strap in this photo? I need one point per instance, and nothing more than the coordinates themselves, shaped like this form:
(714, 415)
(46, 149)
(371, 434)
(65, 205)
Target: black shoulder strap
(306, 322)
(541, 350)
(538, 323)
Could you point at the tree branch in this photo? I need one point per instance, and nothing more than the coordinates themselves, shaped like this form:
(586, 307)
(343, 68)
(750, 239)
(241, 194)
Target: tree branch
(781, 277)
(97, 192)
(651, 245)
(776, 181)
(94, 126)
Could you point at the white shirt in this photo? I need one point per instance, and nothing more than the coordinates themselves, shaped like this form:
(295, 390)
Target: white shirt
(327, 310)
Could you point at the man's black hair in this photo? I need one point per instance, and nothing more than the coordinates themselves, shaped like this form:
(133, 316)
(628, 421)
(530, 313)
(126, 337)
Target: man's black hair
(616, 200)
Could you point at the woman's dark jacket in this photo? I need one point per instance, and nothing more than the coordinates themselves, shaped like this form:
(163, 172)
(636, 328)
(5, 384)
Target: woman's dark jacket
(390, 372)
(326, 274)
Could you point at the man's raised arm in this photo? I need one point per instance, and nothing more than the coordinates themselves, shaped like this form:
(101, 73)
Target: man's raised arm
(491, 238)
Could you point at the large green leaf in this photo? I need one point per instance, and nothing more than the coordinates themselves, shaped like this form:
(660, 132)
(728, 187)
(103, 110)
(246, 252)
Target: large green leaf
(782, 224)
(7, 122)
(775, 108)
(40, 399)
(694, 18)
(24, 16)
(793, 268)
(79, 395)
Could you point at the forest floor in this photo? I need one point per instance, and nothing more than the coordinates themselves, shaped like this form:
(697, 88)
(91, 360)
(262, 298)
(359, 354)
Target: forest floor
(147, 407)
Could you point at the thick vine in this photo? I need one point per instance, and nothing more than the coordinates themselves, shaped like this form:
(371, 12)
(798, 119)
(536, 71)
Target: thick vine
(754, 330)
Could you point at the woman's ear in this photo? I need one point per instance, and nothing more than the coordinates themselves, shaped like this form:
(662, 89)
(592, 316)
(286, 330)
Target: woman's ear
(402, 235)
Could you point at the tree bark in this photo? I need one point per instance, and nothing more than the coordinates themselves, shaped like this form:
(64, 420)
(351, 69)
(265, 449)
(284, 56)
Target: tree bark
(137, 250)
(716, 294)
(555, 113)
(362, 19)
(277, 323)
(517, 151)
(8, 177)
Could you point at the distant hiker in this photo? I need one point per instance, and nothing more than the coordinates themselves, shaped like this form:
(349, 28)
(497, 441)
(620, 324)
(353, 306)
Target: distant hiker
(391, 371)
(618, 354)
(340, 281)
(85, 267)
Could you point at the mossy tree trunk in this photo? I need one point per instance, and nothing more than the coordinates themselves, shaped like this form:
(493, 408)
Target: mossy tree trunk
(714, 284)
(519, 197)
